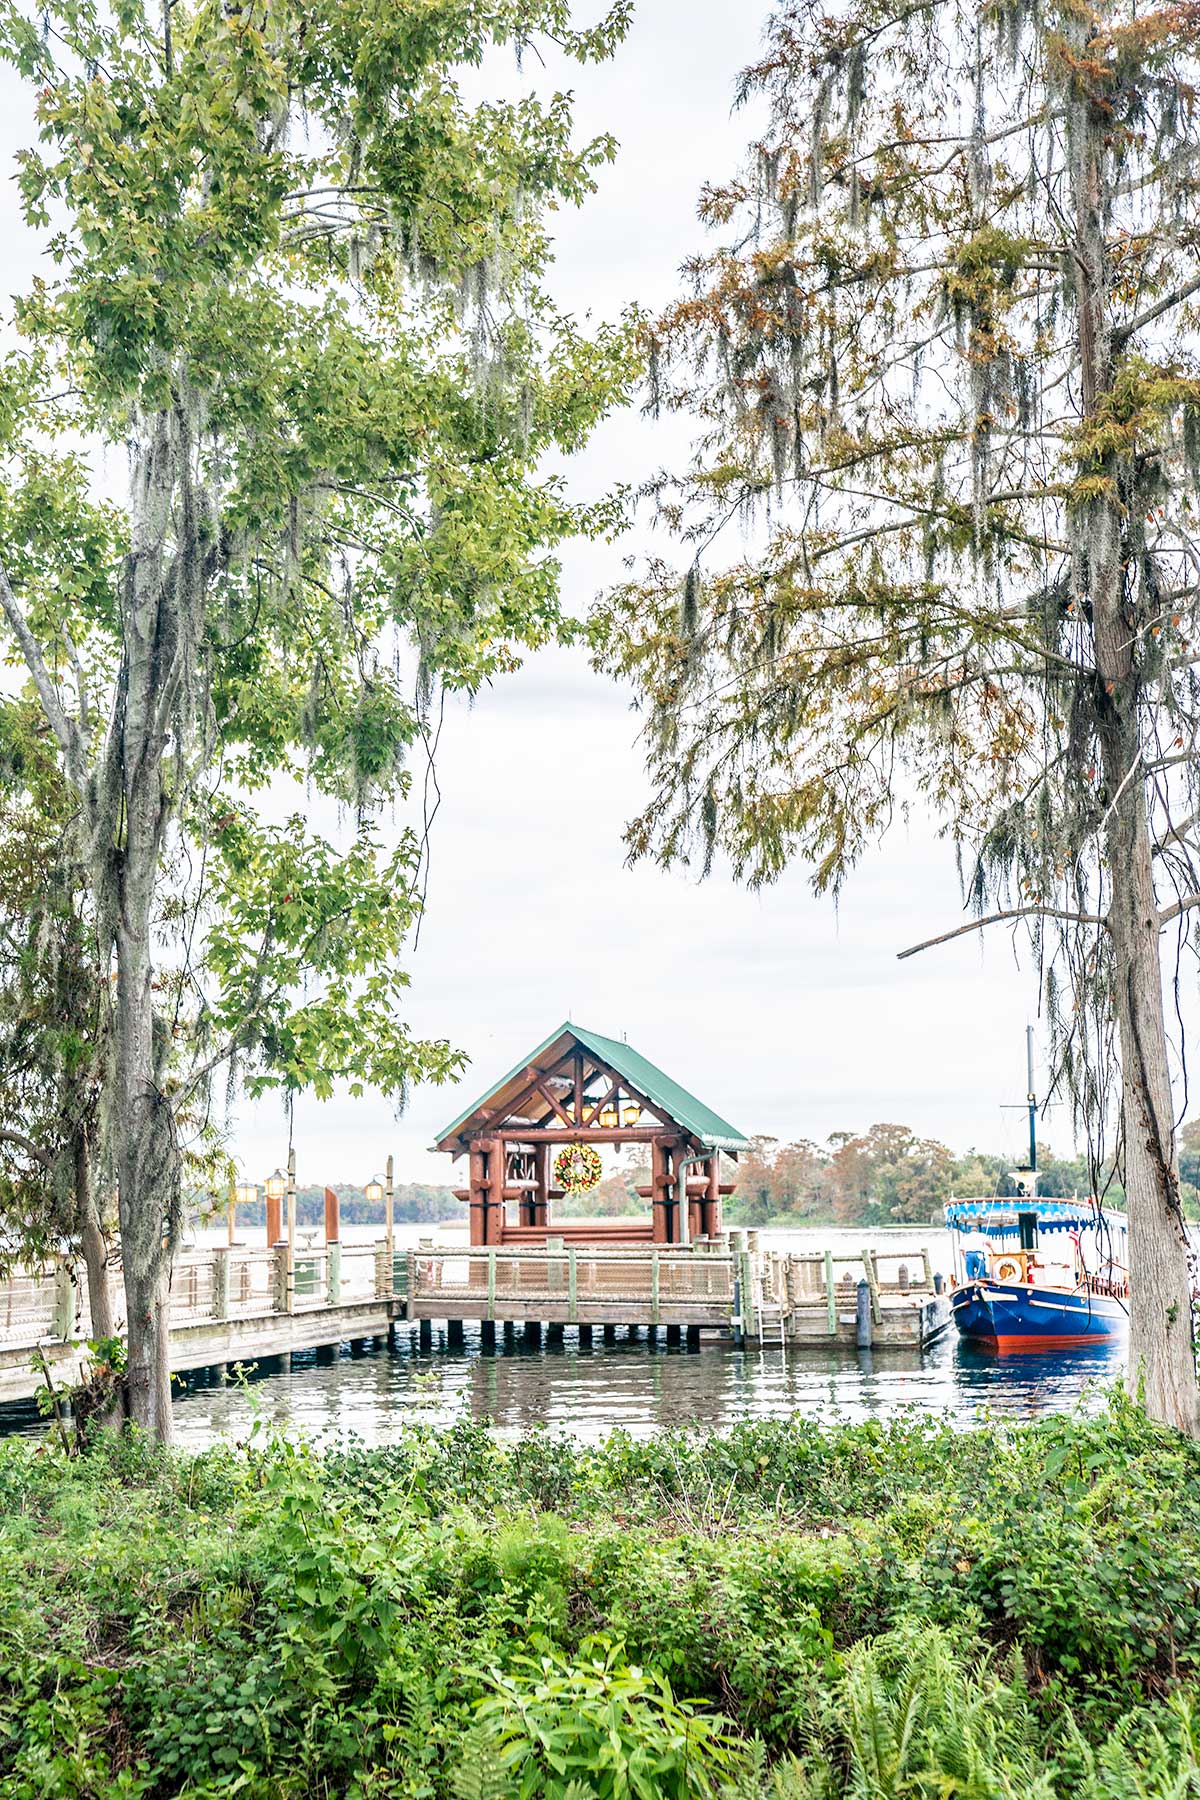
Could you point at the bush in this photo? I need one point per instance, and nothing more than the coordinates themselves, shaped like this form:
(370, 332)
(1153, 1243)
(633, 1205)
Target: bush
(788, 1610)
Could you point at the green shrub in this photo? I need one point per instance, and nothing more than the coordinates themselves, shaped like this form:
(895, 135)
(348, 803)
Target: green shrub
(559, 1729)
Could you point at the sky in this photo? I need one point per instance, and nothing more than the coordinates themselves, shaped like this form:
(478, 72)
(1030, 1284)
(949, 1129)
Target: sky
(790, 1017)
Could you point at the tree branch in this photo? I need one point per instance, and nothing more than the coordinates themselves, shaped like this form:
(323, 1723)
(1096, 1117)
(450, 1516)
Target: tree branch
(997, 918)
(1187, 904)
(43, 1158)
(1175, 298)
(63, 726)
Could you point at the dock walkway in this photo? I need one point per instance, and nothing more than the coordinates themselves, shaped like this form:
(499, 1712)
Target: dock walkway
(241, 1304)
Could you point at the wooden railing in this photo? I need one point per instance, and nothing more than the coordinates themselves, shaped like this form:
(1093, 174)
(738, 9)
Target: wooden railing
(570, 1283)
(237, 1294)
(51, 1302)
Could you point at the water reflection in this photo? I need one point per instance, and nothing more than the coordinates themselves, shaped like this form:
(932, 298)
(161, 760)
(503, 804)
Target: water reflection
(640, 1386)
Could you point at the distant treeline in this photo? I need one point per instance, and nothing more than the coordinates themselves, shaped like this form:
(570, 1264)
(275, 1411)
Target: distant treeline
(888, 1175)
(416, 1203)
(885, 1176)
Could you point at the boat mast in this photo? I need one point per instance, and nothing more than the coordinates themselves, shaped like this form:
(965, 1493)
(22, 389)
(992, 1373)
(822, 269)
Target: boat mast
(1031, 1097)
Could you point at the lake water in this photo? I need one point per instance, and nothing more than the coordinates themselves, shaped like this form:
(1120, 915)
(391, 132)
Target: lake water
(641, 1386)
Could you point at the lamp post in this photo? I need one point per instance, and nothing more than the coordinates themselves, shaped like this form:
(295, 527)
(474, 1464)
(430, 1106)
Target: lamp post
(389, 1226)
(276, 1185)
(244, 1194)
(291, 1231)
(374, 1194)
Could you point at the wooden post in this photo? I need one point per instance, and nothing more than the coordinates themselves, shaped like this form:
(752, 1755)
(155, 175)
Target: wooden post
(279, 1279)
(220, 1284)
(497, 1171)
(291, 1231)
(232, 1215)
(712, 1204)
(873, 1284)
(478, 1191)
(693, 1210)
(862, 1312)
(274, 1220)
(539, 1206)
(333, 1274)
(389, 1221)
(737, 1242)
(660, 1198)
(830, 1296)
(333, 1217)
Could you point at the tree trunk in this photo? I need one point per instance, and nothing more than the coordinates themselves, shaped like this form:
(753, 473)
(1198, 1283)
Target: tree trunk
(1162, 1364)
(146, 1168)
(1162, 1360)
(147, 1154)
(92, 1242)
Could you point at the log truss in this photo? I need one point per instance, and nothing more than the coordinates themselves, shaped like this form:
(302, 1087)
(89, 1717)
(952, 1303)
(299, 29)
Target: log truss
(579, 1098)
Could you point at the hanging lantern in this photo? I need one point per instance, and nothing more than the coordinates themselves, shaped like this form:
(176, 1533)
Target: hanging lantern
(276, 1185)
(608, 1116)
(246, 1193)
(374, 1190)
(630, 1114)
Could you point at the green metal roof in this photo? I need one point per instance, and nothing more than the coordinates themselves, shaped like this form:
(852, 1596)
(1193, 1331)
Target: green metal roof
(665, 1095)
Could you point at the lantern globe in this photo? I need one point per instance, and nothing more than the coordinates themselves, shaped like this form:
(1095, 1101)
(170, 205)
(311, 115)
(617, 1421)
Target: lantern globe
(246, 1193)
(631, 1114)
(276, 1185)
(374, 1189)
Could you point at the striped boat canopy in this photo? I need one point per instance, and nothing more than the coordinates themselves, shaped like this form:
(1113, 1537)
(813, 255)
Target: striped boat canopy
(1000, 1216)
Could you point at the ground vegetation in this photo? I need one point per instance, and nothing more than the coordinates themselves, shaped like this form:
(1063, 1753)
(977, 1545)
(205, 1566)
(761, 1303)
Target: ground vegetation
(785, 1611)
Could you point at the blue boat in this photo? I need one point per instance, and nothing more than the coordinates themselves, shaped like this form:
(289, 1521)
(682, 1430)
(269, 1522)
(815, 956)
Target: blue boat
(1033, 1274)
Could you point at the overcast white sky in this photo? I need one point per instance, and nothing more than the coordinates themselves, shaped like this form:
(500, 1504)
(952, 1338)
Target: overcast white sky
(786, 1016)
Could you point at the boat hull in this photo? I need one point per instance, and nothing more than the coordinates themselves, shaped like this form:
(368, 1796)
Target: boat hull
(1002, 1315)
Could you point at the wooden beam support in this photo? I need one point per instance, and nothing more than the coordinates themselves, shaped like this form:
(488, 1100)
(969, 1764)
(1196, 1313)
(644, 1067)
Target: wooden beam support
(711, 1211)
(477, 1192)
(540, 1210)
(590, 1134)
(494, 1205)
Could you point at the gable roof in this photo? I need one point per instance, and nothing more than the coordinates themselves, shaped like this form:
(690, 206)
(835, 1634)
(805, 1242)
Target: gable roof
(681, 1108)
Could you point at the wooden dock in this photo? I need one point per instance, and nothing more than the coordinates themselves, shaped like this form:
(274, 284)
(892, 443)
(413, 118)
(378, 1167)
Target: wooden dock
(243, 1304)
(228, 1305)
(753, 1295)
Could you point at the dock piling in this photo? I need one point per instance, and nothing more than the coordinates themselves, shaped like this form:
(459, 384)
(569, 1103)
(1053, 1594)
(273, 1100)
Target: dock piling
(863, 1315)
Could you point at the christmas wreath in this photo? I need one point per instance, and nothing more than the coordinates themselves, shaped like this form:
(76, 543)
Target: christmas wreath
(577, 1168)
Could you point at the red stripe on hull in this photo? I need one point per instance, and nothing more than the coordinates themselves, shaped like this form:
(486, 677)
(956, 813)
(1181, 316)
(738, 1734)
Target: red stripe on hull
(1075, 1340)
